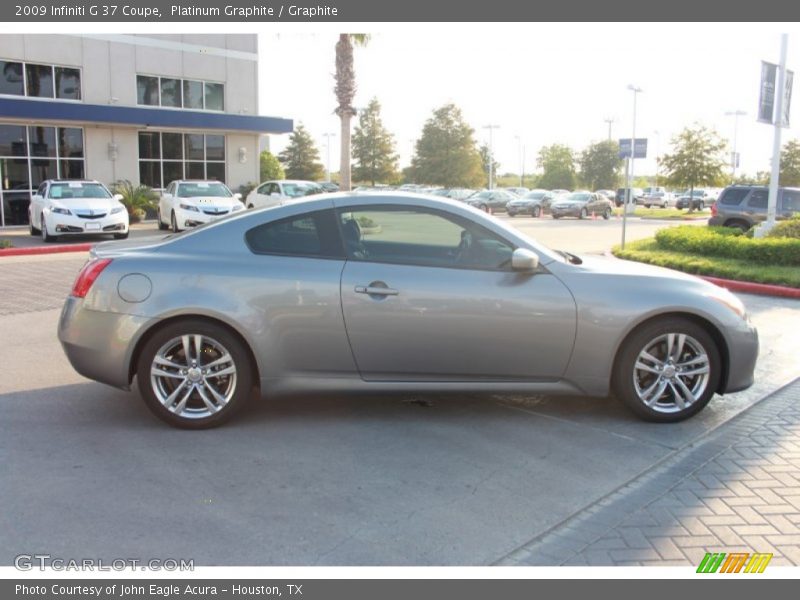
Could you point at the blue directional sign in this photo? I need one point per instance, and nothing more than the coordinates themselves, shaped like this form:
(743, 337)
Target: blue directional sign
(640, 148)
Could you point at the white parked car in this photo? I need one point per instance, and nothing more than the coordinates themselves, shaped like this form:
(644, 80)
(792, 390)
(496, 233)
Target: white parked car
(190, 202)
(63, 207)
(276, 193)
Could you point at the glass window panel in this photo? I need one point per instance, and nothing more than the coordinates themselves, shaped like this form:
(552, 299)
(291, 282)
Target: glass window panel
(194, 146)
(758, 199)
(147, 90)
(70, 142)
(12, 140)
(215, 171)
(150, 173)
(296, 237)
(172, 146)
(195, 170)
(42, 142)
(193, 94)
(172, 171)
(72, 169)
(215, 147)
(43, 169)
(11, 79)
(68, 83)
(171, 92)
(149, 145)
(215, 96)
(15, 206)
(15, 174)
(40, 80)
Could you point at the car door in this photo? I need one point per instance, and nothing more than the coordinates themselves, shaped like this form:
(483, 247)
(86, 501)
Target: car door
(428, 295)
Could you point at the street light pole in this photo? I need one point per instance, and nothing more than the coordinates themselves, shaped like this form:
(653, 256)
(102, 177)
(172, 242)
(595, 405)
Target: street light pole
(521, 157)
(491, 154)
(734, 157)
(629, 190)
(328, 137)
(772, 198)
(609, 120)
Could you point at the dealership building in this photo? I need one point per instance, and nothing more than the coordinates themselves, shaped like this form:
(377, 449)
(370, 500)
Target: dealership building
(145, 108)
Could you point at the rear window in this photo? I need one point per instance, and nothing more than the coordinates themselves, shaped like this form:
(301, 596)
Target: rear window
(733, 196)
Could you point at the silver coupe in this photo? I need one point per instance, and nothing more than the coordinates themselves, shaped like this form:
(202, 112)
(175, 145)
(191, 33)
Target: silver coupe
(391, 292)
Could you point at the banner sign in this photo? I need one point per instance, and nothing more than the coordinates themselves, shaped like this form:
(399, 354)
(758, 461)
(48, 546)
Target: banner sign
(787, 98)
(639, 151)
(766, 100)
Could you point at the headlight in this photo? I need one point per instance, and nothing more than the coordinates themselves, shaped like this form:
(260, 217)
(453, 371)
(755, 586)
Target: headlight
(237, 207)
(725, 297)
(117, 209)
(189, 207)
(59, 210)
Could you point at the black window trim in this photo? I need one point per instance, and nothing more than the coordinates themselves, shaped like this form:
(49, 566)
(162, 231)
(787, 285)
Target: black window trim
(53, 67)
(457, 219)
(342, 257)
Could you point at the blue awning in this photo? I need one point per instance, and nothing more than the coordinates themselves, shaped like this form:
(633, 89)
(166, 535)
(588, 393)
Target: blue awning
(138, 116)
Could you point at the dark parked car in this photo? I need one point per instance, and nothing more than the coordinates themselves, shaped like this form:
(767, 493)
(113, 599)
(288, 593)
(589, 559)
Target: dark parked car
(637, 193)
(490, 200)
(744, 206)
(534, 203)
(699, 199)
(582, 205)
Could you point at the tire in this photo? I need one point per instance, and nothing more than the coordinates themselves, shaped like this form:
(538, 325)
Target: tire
(647, 206)
(556, 216)
(161, 225)
(656, 390)
(484, 208)
(46, 237)
(163, 391)
(174, 223)
(250, 206)
(121, 236)
(583, 214)
(32, 229)
(607, 214)
(512, 215)
(743, 226)
(536, 212)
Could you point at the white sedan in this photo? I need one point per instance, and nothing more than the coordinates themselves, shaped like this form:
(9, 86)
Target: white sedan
(76, 207)
(188, 203)
(276, 193)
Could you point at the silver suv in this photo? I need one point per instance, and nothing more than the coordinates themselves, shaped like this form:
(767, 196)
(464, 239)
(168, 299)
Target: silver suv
(744, 206)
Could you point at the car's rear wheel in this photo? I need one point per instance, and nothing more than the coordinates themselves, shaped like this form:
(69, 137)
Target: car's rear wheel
(744, 226)
(584, 214)
(194, 375)
(667, 370)
(536, 212)
(607, 214)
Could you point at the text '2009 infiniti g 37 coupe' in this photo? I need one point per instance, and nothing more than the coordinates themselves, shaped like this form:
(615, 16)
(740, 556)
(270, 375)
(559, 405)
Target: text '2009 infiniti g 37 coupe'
(388, 293)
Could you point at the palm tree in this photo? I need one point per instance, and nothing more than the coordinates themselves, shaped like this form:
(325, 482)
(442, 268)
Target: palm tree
(345, 91)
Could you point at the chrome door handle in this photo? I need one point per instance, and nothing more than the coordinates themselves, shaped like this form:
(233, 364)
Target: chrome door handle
(375, 291)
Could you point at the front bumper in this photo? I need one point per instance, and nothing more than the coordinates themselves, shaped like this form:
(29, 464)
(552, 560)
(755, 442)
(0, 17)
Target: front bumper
(742, 356)
(191, 218)
(565, 212)
(60, 224)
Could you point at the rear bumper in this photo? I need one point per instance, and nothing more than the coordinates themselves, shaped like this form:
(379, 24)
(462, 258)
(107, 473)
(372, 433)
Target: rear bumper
(742, 356)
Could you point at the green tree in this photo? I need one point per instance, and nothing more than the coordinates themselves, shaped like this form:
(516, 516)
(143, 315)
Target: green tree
(446, 153)
(484, 152)
(301, 157)
(698, 158)
(373, 148)
(790, 164)
(600, 165)
(269, 167)
(558, 167)
(345, 91)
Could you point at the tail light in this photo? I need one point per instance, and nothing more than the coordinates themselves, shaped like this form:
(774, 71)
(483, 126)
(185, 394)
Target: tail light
(89, 273)
(714, 209)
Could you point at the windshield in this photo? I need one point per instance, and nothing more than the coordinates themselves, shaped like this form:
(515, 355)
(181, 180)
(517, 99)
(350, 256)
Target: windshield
(485, 194)
(535, 195)
(297, 190)
(203, 190)
(66, 191)
(577, 197)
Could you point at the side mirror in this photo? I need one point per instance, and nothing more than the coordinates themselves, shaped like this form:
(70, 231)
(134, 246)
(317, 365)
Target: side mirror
(524, 260)
(238, 196)
(118, 197)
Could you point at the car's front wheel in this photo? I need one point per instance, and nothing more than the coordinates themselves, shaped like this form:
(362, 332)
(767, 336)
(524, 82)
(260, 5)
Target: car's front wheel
(174, 223)
(536, 212)
(607, 214)
(584, 214)
(194, 374)
(46, 237)
(667, 370)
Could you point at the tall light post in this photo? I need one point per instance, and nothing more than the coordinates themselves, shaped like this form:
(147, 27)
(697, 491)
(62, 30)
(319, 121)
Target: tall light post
(521, 156)
(735, 156)
(491, 154)
(629, 191)
(657, 135)
(328, 137)
(610, 121)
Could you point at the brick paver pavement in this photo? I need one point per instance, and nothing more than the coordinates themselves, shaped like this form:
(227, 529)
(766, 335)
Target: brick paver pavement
(735, 490)
(35, 285)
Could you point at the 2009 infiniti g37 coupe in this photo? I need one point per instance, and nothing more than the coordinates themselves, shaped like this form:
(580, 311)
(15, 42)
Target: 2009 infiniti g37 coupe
(394, 293)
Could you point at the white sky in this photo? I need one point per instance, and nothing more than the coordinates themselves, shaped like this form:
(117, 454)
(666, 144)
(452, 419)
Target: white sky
(547, 82)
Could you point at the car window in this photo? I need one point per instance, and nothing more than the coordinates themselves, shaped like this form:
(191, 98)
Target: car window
(203, 189)
(65, 191)
(758, 199)
(421, 237)
(263, 188)
(41, 189)
(791, 200)
(733, 196)
(311, 234)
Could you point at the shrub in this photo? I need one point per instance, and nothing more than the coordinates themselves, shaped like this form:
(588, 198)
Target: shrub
(6, 244)
(790, 228)
(136, 198)
(729, 243)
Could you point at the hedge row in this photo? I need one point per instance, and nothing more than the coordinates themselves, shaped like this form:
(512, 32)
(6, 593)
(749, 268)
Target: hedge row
(727, 242)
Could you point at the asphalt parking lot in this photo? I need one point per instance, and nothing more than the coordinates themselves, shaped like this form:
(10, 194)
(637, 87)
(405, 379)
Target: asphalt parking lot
(88, 472)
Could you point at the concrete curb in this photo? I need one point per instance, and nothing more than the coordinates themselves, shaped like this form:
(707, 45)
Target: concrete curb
(38, 250)
(748, 287)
